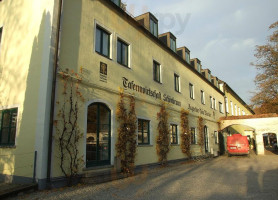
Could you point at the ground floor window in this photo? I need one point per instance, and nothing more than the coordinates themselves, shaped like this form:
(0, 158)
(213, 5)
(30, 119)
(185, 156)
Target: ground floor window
(8, 122)
(143, 132)
(174, 134)
(193, 136)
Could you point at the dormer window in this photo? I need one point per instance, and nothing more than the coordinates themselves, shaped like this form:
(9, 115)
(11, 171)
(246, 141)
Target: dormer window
(173, 44)
(187, 57)
(153, 27)
(199, 67)
(209, 77)
(117, 2)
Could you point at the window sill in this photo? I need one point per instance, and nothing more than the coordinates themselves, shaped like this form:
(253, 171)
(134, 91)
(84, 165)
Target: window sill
(104, 55)
(178, 91)
(7, 146)
(144, 145)
(158, 82)
(124, 65)
(175, 145)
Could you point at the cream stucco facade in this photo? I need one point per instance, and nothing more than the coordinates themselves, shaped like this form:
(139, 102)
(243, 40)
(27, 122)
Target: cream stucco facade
(27, 57)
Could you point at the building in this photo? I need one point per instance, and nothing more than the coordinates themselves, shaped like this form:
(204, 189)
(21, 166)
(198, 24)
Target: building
(114, 50)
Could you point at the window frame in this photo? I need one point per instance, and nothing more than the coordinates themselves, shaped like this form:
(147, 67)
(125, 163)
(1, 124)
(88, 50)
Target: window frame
(232, 107)
(142, 131)
(211, 102)
(9, 127)
(103, 30)
(118, 3)
(214, 103)
(155, 27)
(177, 82)
(173, 45)
(203, 100)
(227, 105)
(193, 135)
(171, 134)
(220, 107)
(191, 91)
(122, 42)
(216, 140)
(155, 64)
(1, 34)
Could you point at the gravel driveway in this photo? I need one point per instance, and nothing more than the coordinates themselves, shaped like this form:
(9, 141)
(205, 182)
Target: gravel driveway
(219, 178)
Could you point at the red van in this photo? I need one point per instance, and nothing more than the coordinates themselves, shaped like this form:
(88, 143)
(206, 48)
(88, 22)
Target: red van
(237, 145)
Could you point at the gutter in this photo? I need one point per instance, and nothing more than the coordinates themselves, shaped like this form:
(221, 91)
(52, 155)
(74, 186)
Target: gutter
(53, 91)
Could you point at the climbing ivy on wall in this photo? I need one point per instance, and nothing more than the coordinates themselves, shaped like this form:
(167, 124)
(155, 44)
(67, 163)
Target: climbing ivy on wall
(68, 133)
(162, 139)
(126, 143)
(185, 135)
(201, 139)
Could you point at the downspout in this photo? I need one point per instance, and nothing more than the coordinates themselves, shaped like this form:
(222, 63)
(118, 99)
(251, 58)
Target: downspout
(53, 91)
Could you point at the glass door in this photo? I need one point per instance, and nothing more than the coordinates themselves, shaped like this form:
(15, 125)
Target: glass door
(98, 135)
(206, 139)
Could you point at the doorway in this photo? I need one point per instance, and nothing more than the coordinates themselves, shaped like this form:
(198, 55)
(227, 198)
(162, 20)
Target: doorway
(98, 138)
(206, 139)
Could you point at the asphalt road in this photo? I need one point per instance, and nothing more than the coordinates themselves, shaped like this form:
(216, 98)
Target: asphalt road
(219, 178)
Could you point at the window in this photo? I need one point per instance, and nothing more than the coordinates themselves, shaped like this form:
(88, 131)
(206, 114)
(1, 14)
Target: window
(232, 108)
(174, 134)
(153, 28)
(177, 82)
(193, 136)
(235, 110)
(191, 91)
(214, 104)
(243, 112)
(226, 104)
(173, 44)
(199, 67)
(8, 122)
(209, 77)
(187, 57)
(1, 30)
(216, 137)
(239, 111)
(102, 42)
(202, 97)
(220, 107)
(143, 132)
(122, 53)
(211, 102)
(156, 72)
(117, 2)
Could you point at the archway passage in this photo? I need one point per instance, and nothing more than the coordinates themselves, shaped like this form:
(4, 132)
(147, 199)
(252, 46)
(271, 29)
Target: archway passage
(98, 138)
(236, 129)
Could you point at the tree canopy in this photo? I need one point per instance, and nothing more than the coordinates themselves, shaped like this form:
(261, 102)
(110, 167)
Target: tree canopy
(265, 100)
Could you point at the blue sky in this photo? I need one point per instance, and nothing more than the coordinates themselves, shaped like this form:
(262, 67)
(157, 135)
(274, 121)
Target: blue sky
(221, 33)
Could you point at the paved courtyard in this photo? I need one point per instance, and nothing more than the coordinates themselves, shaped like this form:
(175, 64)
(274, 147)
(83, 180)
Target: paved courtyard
(219, 178)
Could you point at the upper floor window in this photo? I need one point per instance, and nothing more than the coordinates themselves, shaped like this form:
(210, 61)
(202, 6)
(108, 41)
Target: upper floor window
(153, 27)
(235, 110)
(122, 52)
(174, 134)
(243, 112)
(214, 104)
(177, 82)
(191, 91)
(199, 67)
(193, 136)
(173, 44)
(143, 132)
(156, 72)
(239, 111)
(209, 77)
(202, 97)
(117, 2)
(232, 108)
(102, 42)
(8, 122)
(220, 107)
(211, 102)
(187, 57)
(226, 104)
(1, 30)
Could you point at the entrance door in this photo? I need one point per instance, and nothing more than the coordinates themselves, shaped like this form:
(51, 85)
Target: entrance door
(98, 135)
(206, 138)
